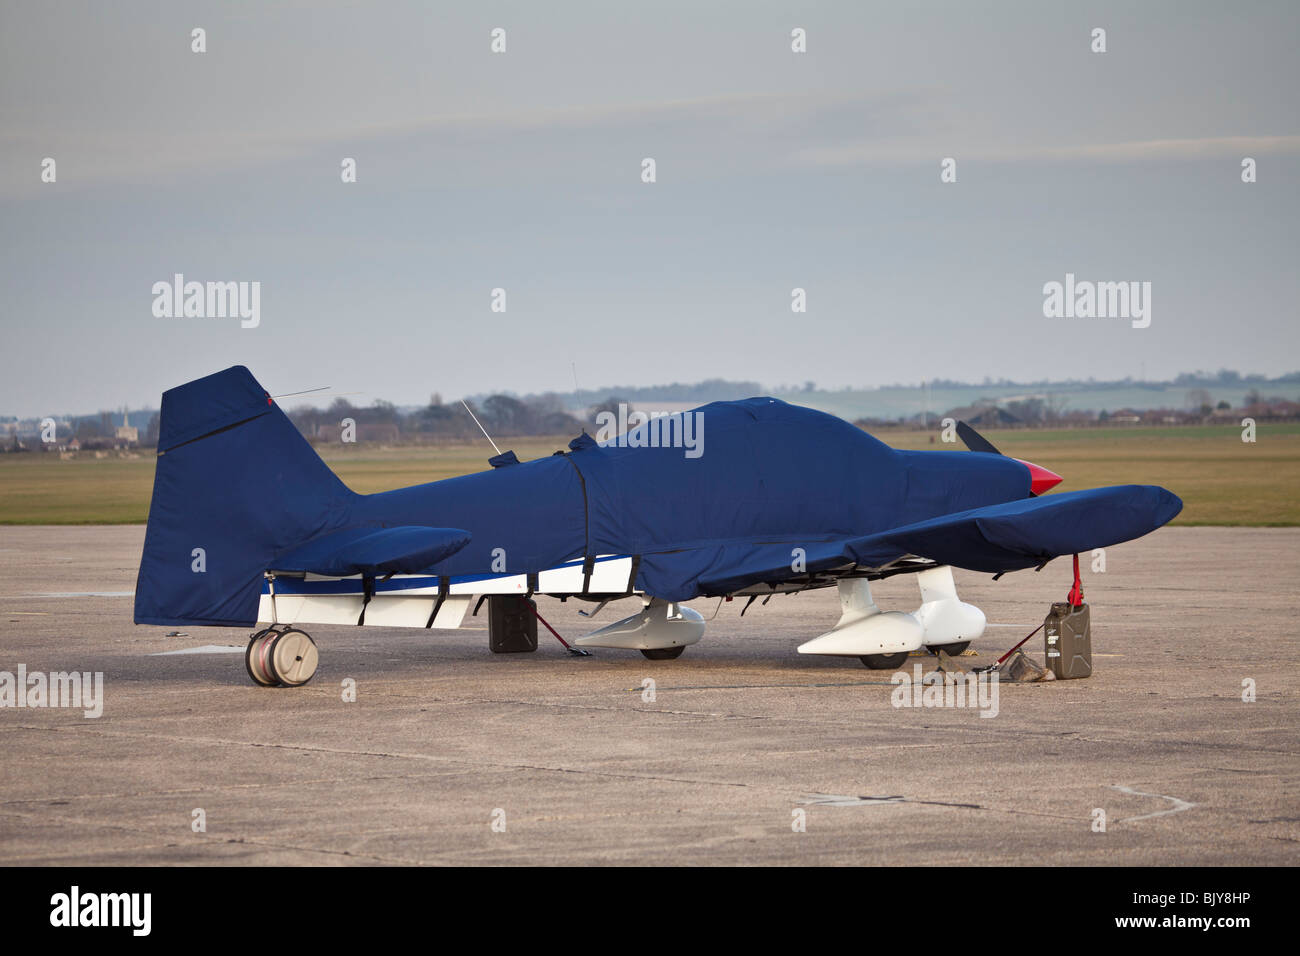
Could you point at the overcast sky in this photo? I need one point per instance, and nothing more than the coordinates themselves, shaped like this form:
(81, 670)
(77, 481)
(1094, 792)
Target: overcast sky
(522, 171)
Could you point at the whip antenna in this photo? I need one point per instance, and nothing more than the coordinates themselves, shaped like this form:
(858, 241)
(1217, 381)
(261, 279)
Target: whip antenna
(303, 392)
(480, 426)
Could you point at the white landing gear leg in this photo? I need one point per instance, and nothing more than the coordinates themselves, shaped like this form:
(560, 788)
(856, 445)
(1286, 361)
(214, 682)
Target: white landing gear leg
(948, 623)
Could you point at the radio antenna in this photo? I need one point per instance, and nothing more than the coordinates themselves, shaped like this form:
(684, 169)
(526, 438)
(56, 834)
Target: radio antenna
(305, 391)
(480, 426)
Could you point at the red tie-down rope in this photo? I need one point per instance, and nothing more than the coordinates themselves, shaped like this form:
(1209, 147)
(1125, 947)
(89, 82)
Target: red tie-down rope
(567, 646)
(1076, 593)
(1076, 600)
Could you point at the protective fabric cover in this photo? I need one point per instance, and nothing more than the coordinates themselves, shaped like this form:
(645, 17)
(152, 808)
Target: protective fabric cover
(239, 486)
(1005, 537)
(404, 550)
(231, 490)
(208, 404)
(708, 501)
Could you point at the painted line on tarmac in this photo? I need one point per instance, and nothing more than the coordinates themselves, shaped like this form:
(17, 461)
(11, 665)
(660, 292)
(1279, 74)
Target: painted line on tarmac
(1178, 805)
(205, 649)
(68, 594)
(834, 800)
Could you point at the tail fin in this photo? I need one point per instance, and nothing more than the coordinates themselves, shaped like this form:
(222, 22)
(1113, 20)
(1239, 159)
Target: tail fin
(235, 484)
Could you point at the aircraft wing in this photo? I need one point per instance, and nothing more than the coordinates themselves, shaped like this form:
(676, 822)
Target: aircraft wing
(1003, 537)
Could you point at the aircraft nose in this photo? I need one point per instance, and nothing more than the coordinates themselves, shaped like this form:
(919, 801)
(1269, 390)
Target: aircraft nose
(1040, 479)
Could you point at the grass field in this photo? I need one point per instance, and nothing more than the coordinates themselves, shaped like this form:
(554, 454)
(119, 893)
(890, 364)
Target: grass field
(1222, 480)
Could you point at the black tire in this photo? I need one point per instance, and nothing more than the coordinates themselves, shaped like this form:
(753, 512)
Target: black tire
(884, 662)
(248, 661)
(664, 653)
(952, 650)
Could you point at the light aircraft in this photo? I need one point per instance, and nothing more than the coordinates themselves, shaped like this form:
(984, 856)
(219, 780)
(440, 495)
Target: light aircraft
(248, 526)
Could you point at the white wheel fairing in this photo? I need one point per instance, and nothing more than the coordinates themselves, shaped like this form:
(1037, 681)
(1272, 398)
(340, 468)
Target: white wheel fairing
(863, 629)
(945, 618)
(885, 632)
(661, 624)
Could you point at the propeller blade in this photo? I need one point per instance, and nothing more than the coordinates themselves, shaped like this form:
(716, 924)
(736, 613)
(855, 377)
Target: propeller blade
(974, 440)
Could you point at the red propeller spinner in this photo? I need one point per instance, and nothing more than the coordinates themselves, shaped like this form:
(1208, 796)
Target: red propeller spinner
(1040, 479)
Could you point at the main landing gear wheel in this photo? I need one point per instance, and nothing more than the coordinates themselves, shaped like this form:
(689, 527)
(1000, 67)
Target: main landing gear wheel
(285, 658)
(664, 653)
(952, 650)
(884, 662)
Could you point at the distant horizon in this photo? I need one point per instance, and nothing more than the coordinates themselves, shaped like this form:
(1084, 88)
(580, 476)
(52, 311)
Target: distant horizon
(1198, 378)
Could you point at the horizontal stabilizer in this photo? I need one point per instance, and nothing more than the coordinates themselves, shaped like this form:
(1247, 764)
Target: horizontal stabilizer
(402, 550)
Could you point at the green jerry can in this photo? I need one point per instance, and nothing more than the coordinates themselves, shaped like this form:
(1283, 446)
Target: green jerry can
(1068, 637)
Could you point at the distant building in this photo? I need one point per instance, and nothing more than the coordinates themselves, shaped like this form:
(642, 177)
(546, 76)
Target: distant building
(127, 434)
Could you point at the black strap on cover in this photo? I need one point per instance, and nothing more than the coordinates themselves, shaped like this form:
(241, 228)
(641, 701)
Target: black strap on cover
(589, 560)
(367, 592)
(444, 584)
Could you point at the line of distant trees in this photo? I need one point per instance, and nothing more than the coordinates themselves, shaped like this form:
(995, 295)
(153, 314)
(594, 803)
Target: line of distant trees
(700, 393)
(1050, 411)
(552, 414)
(1223, 378)
(502, 415)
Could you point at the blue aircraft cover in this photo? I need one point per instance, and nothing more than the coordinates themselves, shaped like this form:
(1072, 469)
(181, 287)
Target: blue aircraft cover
(372, 551)
(1006, 537)
(235, 485)
(238, 491)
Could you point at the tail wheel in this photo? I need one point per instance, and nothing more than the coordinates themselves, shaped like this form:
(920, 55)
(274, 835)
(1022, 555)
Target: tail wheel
(884, 662)
(253, 659)
(277, 658)
(664, 653)
(291, 657)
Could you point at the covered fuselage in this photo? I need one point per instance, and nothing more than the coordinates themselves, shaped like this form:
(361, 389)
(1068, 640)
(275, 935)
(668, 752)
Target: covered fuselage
(761, 469)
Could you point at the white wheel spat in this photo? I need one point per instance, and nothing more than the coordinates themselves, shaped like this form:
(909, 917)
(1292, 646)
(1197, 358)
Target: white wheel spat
(292, 658)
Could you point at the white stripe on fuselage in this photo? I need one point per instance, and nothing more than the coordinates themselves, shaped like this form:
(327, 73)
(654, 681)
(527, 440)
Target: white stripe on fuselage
(406, 600)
